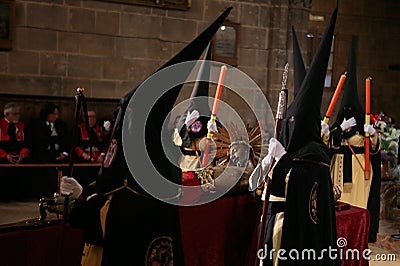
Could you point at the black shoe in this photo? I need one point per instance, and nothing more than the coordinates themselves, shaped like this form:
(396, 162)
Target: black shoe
(396, 236)
(372, 238)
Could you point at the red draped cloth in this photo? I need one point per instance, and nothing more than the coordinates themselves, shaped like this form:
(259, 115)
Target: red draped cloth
(41, 246)
(219, 232)
(352, 230)
(222, 232)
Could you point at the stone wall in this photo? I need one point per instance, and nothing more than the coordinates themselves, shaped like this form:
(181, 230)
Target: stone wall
(376, 25)
(110, 48)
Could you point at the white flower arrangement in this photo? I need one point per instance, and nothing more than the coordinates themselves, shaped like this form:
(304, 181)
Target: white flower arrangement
(389, 139)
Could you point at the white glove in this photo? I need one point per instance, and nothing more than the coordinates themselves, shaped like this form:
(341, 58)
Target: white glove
(256, 178)
(337, 192)
(325, 128)
(370, 129)
(266, 162)
(275, 150)
(212, 126)
(69, 186)
(346, 124)
(191, 117)
(107, 125)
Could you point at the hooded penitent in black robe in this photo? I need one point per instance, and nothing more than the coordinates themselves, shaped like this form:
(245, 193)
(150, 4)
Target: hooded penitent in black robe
(347, 167)
(138, 228)
(301, 203)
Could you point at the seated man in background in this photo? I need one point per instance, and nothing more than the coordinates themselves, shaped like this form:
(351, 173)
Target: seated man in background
(91, 148)
(94, 139)
(13, 150)
(50, 143)
(50, 136)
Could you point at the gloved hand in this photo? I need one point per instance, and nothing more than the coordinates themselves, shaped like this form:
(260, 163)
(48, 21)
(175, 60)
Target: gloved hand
(370, 129)
(266, 162)
(275, 150)
(191, 117)
(212, 126)
(346, 124)
(69, 186)
(325, 128)
(337, 192)
(107, 125)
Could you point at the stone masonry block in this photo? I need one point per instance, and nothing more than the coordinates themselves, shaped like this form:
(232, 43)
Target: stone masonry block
(35, 39)
(20, 14)
(249, 15)
(103, 89)
(115, 68)
(107, 22)
(247, 57)
(81, 20)
(212, 9)
(96, 45)
(131, 47)
(69, 42)
(3, 62)
(135, 25)
(33, 85)
(69, 86)
(195, 12)
(85, 66)
(46, 16)
(252, 37)
(24, 62)
(53, 64)
(178, 30)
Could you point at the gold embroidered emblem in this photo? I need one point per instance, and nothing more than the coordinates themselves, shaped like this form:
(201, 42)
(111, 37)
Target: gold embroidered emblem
(111, 152)
(313, 203)
(160, 252)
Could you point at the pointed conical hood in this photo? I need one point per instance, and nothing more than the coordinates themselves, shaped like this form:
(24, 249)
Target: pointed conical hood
(199, 98)
(350, 105)
(302, 122)
(115, 168)
(201, 87)
(298, 64)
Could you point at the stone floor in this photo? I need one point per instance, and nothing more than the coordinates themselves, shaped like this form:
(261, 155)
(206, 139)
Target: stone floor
(385, 246)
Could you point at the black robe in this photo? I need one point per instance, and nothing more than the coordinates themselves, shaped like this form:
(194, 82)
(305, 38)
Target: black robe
(141, 235)
(374, 198)
(309, 213)
(139, 228)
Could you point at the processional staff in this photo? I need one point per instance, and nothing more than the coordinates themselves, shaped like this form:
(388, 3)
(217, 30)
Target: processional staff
(280, 114)
(367, 122)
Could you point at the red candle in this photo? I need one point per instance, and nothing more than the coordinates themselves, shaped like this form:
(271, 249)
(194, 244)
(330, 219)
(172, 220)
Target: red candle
(213, 116)
(335, 97)
(367, 95)
(219, 89)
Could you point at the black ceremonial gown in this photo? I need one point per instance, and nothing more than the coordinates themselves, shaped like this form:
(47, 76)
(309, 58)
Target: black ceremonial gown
(309, 215)
(130, 226)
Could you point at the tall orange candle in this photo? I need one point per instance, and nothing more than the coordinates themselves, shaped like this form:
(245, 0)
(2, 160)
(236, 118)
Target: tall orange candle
(213, 117)
(219, 89)
(367, 95)
(367, 122)
(335, 97)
